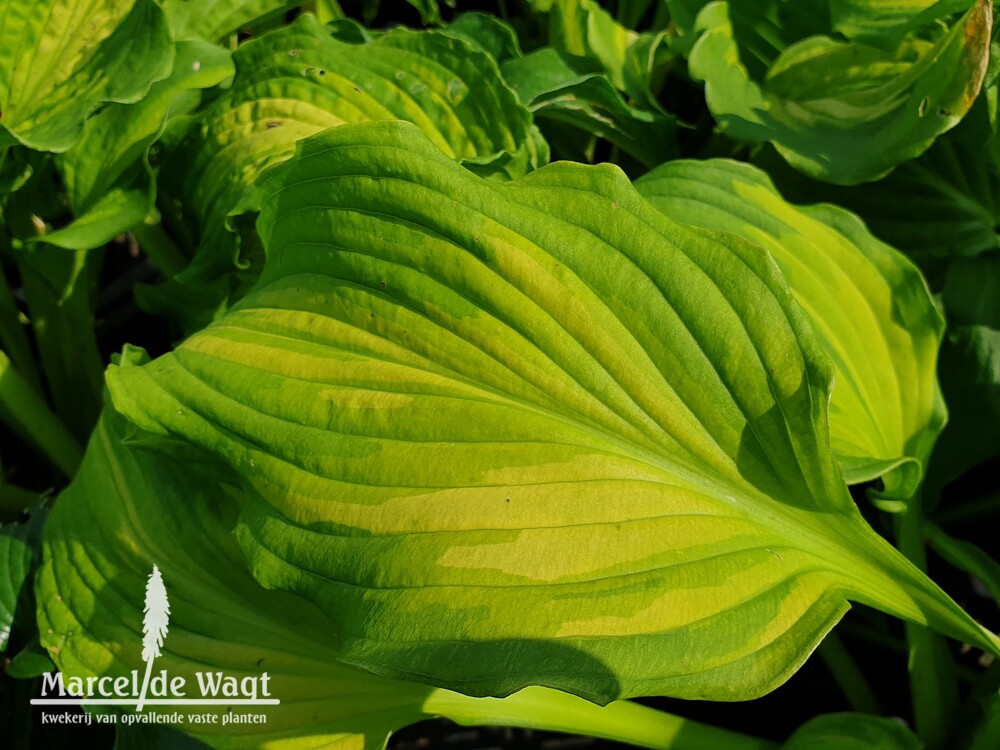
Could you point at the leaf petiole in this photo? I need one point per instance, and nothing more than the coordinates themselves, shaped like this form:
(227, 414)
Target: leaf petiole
(162, 250)
(848, 675)
(24, 410)
(933, 686)
(621, 721)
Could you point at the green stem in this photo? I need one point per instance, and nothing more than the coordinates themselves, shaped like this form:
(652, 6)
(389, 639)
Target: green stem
(966, 557)
(24, 410)
(892, 644)
(933, 687)
(621, 721)
(60, 287)
(13, 336)
(848, 675)
(873, 635)
(162, 250)
(325, 10)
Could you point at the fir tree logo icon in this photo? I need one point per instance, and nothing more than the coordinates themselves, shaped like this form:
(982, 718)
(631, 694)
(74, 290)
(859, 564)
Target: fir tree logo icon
(156, 618)
(216, 687)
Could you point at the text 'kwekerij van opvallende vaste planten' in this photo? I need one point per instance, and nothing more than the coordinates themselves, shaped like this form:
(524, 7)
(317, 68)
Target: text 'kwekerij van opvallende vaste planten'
(364, 363)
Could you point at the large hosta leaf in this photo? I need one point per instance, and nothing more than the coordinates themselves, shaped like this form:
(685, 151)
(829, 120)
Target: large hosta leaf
(60, 59)
(135, 504)
(527, 433)
(867, 303)
(840, 111)
(296, 81)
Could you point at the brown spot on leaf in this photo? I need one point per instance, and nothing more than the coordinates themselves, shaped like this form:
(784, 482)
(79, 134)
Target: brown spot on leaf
(978, 26)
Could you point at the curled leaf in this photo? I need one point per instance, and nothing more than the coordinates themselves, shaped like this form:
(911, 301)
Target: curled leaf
(839, 111)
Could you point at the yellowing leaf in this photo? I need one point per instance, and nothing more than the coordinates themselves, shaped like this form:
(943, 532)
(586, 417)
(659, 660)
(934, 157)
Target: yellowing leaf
(527, 433)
